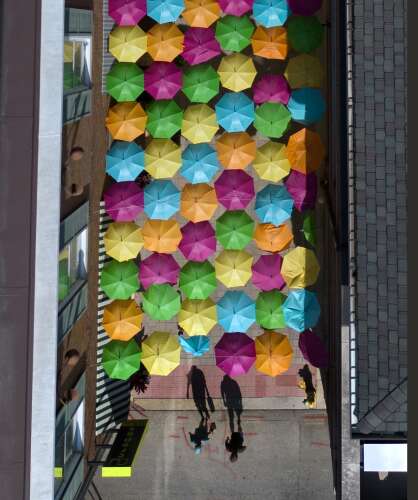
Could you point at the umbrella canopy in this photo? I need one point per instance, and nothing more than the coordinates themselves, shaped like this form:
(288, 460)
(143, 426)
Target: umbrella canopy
(273, 204)
(125, 82)
(165, 42)
(304, 70)
(269, 309)
(122, 319)
(200, 163)
(272, 119)
(305, 33)
(162, 236)
(126, 121)
(158, 269)
(198, 202)
(197, 317)
(123, 240)
(301, 310)
(305, 151)
(266, 273)
(233, 268)
(127, 43)
(234, 189)
(236, 150)
(162, 158)
(164, 119)
(161, 199)
(235, 353)
(198, 242)
(274, 353)
(196, 346)
(271, 163)
(237, 72)
(234, 33)
(236, 7)
(127, 12)
(304, 7)
(197, 280)
(303, 189)
(123, 201)
(161, 302)
(300, 268)
(236, 311)
(161, 353)
(270, 43)
(235, 111)
(163, 80)
(121, 359)
(309, 229)
(199, 123)
(272, 238)
(234, 229)
(313, 349)
(119, 280)
(270, 13)
(165, 11)
(200, 45)
(124, 161)
(306, 105)
(200, 83)
(201, 13)
(271, 88)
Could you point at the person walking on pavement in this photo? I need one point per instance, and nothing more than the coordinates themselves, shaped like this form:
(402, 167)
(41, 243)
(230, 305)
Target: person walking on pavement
(307, 384)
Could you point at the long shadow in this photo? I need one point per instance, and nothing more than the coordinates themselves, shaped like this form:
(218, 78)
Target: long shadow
(232, 399)
(197, 381)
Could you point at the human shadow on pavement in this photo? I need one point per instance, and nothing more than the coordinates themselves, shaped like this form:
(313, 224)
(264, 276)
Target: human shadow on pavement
(196, 379)
(201, 434)
(232, 399)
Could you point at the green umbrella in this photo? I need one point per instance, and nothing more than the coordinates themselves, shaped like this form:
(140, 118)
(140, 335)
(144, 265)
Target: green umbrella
(234, 33)
(119, 280)
(305, 33)
(161, 302)
(63, 279)
(125, 82)
(121, 359)
(200, 83)
(309, 228)
(234, 229)
(269, 309)
(164, 119)
(272, 119)
(197, 280)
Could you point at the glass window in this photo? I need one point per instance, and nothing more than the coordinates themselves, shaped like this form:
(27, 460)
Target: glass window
(72, 264)
(77, 61)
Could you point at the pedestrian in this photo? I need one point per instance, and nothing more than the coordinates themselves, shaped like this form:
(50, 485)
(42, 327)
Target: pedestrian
(307, 385)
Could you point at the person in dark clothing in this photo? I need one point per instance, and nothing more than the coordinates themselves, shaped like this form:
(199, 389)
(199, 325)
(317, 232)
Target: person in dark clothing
(196, 379)
(310, 390)
(235, 444)
(232, 399)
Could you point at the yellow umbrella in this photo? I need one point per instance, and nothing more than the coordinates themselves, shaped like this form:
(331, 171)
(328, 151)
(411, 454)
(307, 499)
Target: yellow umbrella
(201, 13)
(236, 150)
(198, 202)
(127, 43)
(273, 352)
(271, 162)
(197, 317)
(233, 267)
(304, 70)
(123, 240)
(126, 121)
(272, 238)
(162, 236)
(162, 158)
(160, 353)
(237, 72)
(122, 319)
(165, 42)
(300, 268)
(199, 123)
(270, 43)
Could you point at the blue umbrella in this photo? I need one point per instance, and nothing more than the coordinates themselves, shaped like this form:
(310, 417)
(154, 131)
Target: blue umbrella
(235, 112)
(236, 312)
(124, 161)
(196, 345)
(200, 163)
(274, 204)
(270, 13)
(301, 310)
(161, 199)
(306, 105)
(165, 11)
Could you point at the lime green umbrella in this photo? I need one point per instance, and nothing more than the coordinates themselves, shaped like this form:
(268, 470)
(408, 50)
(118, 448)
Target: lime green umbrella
(119, 280)
(305, 33)
(272, 119)
(234, 33)
(63, 279)
(125, 81)
(161, 302)
(269, 309)
(197, 280)
(121, 359)
(164, 119)
(234, 229)
(200, 83)
(309, 228)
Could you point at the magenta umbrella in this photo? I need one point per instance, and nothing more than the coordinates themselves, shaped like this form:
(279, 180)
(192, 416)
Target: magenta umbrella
(127, 12)
(124, 201)
(235, 353)
(236, 7)
(200, 45)
(304, 7)
(198, 242)
(266, 273)
(313, 349)
(163, 80)
(303, 189)
(234, 189)
(271, 88)
(157, 269)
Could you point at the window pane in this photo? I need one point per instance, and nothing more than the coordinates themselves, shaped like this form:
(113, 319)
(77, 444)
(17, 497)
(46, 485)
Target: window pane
(63, 274)
(77, 62)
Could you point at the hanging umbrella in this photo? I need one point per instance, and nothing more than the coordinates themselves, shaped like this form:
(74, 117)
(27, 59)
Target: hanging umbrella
(237, 72)
(164, 119)
(165, 11)
(304, 70)
(305, 33)
(300, 268)
(234, 189)
(162, 158)
(199, 123)
(303, 189)
(161, 199)
(236, 150)
(304, 7)
(273, 204)
(158, 269)
(123, 241)
(122, 319)
(127, 12)
(309, 230)
(196, 346)
(272, 119)
(198, 202)
(162, 236)
(198, 242)
(266, 273)
(200, 163)
(200, 45)
(119, 280)
(161, 302)
(306, 105)
(270, 43)
(274, 353)
(233, 268)
(126, 121)
(236, 311)
(270, 13)
(197, 280)
(305, 151)
(161, 353)
(269, 309)
(271, 163)
(201, 13)
(313, 349)
(200, 83)
(234, 229)
(165, 42)
(272, 238)
(127, 43)
(234, 33)
(235, 353)
(197, 317)
(124, 161)
(163, 80)
(123, 201)
(121, 359)
(301, 310)
(271, 88)
(236, 7)
(235, 112)
(125, 82)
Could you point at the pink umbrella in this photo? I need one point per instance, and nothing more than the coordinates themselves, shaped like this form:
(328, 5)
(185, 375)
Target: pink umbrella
(200, 45)
(198, 242)
(157, 269)
(313, 349)
(303, 189)
(234, 189)
(127, 12)
(266, 273)
(163, 80)
(304, 7)
(271, 88)
(124, 201)
(236, 7)
(235, 353)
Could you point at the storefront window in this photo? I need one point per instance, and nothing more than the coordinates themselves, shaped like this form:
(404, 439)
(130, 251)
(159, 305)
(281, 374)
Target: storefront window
(72, 264)
(77, 62)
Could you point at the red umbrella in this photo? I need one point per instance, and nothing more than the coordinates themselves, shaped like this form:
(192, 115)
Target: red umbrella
(127, 12)
(157, 269)
(124, 201)
(266, 273)
(303, 189)
(200, 45)
(198, 242)
(234, 189)
(235, 353)
(313, 349)
(163, 80)
(271, 88)
(236, 7)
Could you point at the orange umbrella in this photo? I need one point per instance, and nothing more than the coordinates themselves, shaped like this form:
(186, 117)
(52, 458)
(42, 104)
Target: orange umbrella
(305, 151)
(201, 13)
(126, 121)
(162, 236)
(165, 42)
(122, 319)
(273, 352)
(272, 238)
(270, 43)
(198, 202)
(236, 150)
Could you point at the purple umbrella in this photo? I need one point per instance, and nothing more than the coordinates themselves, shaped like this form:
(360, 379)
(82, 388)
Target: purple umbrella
(235, 353)
(271, 88)
(266, 273)
(200, 45)
(313, 349)
(163, 80)
(124, 201)
(236, 7)
(157, 269)
(304, 7)
(234, 189)
(198, 242)
(303, 189)
(127, 12)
